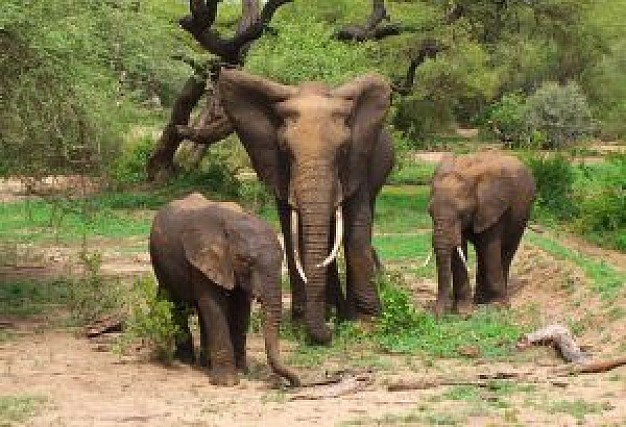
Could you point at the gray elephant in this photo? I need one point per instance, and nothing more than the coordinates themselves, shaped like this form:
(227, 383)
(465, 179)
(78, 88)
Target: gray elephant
(214, 257)
(486, 199)
(325, 155)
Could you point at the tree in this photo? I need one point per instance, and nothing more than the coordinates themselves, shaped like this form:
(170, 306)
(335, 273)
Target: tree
(212, 125)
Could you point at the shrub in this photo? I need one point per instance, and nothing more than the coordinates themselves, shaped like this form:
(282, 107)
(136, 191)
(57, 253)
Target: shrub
(554, 179)
(508, 119)
(150, 321)
(559, 114)
(601, 196)
(92, 297)
(130, 166)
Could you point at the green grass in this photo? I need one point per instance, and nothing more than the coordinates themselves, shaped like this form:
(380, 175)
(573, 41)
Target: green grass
(412, 172)
(17, 409)
(606, 281)
(402, 209)
(403, 247)
(578, 408)
(39, 221)
(29, 298)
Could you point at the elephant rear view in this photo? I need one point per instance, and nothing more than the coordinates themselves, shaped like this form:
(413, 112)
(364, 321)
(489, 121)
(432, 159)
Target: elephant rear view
(486, 199)
(214, 257)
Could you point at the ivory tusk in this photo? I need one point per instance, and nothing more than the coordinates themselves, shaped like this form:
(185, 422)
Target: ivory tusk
(338, 238)
(460, 252)
(295, 243)
(430, 256)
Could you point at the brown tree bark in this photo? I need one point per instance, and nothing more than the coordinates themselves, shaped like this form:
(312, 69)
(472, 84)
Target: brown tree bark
(212, 125)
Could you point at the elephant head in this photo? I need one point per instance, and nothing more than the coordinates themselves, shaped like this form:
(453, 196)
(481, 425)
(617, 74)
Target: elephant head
(241, 250)
(468, 196)
(310, 144)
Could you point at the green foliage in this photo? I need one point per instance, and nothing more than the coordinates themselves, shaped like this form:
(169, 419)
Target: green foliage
(17, 409)
(74, 75)
(554, 180)
(92, 297)
(150, 321)
(399, 314)
(559, 114)
(306, 50)
(29, 298)
(509, 117)
(404, 329)
(130, 166)
(601, 196)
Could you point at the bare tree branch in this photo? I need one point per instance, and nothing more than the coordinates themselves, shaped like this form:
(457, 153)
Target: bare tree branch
(371, 30)
(429, 48)
(213, 125)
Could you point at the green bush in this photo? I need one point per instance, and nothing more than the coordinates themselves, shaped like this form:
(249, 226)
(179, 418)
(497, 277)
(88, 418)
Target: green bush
(151, 321)
(601, 196)
(130, 166)
(92, 297)
(559, 114)
(508, 119)
(554, 179)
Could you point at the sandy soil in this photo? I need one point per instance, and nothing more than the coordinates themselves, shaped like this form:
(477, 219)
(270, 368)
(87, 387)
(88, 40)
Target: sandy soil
(84, 384)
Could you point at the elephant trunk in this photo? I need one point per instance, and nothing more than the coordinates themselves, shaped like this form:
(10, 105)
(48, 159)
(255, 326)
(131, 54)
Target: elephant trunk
(444, 241)
(271, 326)
(315, 233)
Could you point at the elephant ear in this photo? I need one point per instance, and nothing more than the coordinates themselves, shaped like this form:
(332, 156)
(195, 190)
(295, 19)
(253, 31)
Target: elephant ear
(492, 201)
(208, 252)
(371, 97)
(248, 101)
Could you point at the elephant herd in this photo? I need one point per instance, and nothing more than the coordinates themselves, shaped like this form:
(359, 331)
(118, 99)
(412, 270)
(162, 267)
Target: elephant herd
(325, 154)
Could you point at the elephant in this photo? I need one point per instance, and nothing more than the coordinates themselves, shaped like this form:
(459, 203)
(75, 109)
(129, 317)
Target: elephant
(214, 257)
(325, 155)
(486, 199)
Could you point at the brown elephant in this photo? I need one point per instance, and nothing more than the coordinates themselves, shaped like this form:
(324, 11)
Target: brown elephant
(486, 199)
(215, 257)
(325, 155)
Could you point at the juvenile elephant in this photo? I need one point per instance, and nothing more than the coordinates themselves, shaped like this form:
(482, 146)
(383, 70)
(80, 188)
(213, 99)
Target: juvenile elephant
(483, 198)
(214, 257)
(325, 154)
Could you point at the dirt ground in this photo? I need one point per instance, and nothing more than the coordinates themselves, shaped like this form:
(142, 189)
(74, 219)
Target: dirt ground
(80, 382)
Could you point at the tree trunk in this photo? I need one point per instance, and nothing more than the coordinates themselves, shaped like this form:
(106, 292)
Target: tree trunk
(160, 166)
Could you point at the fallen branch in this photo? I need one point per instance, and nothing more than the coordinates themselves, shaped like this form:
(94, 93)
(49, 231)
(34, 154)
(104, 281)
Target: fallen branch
(560, 337)
(345, 386)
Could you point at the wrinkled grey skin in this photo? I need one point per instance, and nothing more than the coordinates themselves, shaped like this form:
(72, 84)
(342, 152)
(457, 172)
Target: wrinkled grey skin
(318, 149)
(485, 199)
(214, 257)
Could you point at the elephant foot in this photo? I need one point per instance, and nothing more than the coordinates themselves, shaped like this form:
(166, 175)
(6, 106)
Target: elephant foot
(441, 307)
(203, 360)
(185, 355)
(242, 366)
(223, 377)
(463, 308)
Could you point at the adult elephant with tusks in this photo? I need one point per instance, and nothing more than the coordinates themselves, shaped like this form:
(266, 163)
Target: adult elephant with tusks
(325, 155)
(483, 198)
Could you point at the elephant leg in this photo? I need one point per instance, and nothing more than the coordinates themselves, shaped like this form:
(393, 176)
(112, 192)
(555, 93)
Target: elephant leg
(203, 359)
(239, 320)
(462, 292)
(361, 293)
(491, 274)
(509, 247)
(183, 346)
(213, 305)
(298, 292)
(334, 293)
